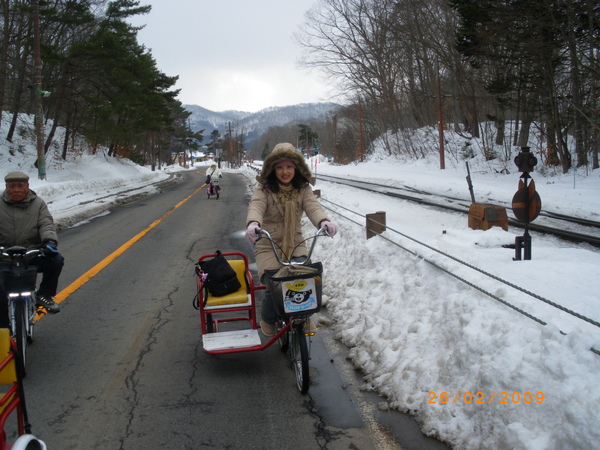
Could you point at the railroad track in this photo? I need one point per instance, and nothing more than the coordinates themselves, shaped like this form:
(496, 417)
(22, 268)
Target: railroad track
(570, 228)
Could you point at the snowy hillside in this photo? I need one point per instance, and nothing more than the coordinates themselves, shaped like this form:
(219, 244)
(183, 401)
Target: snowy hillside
(254, 124)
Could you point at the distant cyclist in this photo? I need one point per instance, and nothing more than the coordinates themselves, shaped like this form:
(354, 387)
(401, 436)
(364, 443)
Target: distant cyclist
(212, 181)
(26, 221)
(212, 173)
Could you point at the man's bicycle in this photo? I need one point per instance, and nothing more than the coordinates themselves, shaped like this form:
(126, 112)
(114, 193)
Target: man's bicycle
(296, 292)
(18, 269)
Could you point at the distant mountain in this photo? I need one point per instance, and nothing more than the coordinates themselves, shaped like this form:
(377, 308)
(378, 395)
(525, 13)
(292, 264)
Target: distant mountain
(205, 119)
(252, 125)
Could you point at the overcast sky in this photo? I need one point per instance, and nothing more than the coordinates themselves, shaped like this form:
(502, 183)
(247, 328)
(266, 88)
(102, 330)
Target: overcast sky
(232, 54)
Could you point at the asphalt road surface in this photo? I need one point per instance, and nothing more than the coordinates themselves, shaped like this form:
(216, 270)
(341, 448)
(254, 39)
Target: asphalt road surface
(122, 366)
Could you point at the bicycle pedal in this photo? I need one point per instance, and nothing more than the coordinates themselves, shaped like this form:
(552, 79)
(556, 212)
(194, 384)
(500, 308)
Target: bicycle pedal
(41, 311)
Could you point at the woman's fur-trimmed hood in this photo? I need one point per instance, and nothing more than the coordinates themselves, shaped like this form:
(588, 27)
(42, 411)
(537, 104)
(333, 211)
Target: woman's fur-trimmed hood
(281, 152)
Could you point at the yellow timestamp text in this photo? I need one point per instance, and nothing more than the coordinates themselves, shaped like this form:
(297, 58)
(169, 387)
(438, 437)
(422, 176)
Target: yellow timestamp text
(483, 398)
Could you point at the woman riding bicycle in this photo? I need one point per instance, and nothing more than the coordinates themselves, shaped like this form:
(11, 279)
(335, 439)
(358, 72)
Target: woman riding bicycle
(213, 173)
(283, 195)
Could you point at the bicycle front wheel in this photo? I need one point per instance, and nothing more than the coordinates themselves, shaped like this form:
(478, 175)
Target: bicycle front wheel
(299, 356)
(21, 335)
(32, 310)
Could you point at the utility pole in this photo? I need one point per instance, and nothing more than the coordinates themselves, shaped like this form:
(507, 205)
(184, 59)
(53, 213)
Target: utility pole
(230, 147)
(440, 120)
(153, 151)
(39, 111)
(335, 120)
(360, 125)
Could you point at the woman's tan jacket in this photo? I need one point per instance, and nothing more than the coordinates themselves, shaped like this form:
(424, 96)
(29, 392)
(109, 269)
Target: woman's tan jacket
(265, 209)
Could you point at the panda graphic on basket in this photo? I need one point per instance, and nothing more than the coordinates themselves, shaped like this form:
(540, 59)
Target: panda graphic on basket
(298, 296)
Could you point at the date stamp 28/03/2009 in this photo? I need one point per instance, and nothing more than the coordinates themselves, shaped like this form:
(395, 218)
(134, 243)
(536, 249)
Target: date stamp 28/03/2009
(482, 398)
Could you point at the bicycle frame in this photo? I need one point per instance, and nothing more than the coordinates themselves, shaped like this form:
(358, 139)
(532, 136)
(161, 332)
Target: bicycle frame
(20, 277)
(213, 188)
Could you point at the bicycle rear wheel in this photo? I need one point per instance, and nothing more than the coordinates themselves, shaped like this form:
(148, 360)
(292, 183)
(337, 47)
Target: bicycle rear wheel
(20, 335)
(299, 356)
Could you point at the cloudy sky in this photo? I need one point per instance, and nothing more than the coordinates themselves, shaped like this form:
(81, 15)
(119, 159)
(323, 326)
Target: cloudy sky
(232, 54)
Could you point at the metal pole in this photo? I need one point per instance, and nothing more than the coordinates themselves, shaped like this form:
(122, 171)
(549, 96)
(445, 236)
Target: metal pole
(526, 235)
(39, 111)
(153, 151)
(360, 125)
(440, 122)
(230, 147)
(470, 184)
(334, 150)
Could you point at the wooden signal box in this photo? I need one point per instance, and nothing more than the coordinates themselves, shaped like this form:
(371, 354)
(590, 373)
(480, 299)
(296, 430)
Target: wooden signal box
(483, 216)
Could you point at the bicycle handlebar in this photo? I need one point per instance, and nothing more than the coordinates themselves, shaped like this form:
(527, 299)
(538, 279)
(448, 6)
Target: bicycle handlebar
(10, 254)
(320, 232)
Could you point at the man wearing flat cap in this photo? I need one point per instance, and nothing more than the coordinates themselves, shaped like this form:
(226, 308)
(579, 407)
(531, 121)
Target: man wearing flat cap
(26, 221)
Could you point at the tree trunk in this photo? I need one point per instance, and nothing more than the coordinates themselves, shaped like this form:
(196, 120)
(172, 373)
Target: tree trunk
(500, 126)
(552, 155)
(561, 145)
(50, 136)
(65, 147)
(574, 69)
(4, 55)
(524, 132)
(594, 143)
(595, 153)
(18, 94)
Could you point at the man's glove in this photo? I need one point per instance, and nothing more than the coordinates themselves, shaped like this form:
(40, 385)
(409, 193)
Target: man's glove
(332, 228)
(252, 232)
(49, 248)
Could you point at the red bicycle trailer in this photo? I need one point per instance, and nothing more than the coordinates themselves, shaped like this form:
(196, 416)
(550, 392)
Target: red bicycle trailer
(229, 323)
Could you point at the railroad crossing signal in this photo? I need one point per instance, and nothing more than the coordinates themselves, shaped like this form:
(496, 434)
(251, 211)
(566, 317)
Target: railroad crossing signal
(526, 203)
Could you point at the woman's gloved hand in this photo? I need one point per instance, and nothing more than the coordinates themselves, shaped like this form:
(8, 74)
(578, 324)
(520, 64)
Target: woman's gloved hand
(252, 232)
(332, 228)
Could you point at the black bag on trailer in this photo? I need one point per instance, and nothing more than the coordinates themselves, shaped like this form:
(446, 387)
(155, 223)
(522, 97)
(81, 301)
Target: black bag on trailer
(221, 278)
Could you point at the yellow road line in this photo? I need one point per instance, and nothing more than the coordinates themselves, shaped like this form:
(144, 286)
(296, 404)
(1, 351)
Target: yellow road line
(64, 294)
